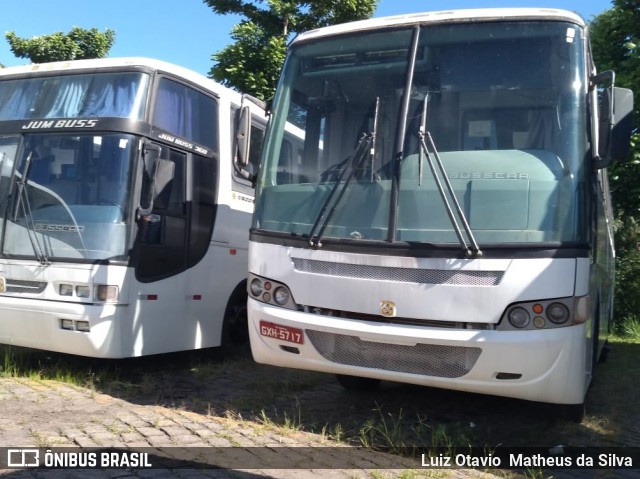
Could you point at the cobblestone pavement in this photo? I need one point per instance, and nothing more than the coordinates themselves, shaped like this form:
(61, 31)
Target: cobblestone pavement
(51, 414)
(176, 406)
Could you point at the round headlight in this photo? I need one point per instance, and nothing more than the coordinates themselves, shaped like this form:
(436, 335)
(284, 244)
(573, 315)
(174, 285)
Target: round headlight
(256, 287)
(519, 317)
(558, 313)
(281, 296)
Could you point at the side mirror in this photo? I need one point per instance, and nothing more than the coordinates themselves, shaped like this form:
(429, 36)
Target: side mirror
(161, 173)
(243, 138)
(620, 124)
(615, 124)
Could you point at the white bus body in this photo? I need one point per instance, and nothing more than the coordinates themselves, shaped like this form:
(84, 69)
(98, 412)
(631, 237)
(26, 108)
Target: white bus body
(92, 261)
(359, 267)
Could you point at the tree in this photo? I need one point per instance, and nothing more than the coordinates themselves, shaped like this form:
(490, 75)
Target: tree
(78, 44)
(615, 37)
(252, 63)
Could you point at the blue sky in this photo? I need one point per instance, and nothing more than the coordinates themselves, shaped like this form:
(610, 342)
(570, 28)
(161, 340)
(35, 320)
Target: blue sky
(187, 32)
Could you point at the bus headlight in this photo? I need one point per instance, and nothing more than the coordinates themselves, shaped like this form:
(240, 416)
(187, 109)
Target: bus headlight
(65, 289)
(271, 292)
(557, 313)
(519, 317)
(256, 287)
(83, 292)
(106, 293)
(543, 314)
(281, 295)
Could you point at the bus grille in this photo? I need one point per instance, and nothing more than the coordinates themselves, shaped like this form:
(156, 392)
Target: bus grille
(403, 275)
(423, 359)
(25, 287)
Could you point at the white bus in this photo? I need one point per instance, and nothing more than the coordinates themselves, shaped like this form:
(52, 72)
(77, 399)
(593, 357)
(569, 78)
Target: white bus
(123, 224)
(454, 229)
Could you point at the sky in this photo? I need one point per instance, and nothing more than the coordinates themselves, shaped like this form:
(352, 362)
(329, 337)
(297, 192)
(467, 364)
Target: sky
(187, 32)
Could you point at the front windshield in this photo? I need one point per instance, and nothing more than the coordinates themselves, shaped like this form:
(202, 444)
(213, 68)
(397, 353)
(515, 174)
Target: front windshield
(65, 196)
(503, 102)
(121, 94)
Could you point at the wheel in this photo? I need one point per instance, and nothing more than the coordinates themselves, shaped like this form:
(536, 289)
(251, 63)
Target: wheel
(358, 384)
(235, 328)
(571, 412)
(604, 354)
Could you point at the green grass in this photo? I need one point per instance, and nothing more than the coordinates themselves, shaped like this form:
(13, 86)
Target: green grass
(627, 328)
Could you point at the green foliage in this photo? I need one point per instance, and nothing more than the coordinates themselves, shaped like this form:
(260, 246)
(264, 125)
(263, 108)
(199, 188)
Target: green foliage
(615, 40)
(78, 44)
(253, 62)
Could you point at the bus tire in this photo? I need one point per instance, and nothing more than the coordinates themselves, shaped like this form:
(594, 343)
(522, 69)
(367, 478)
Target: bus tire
(235, 328)
(357, 384)
(572, 412)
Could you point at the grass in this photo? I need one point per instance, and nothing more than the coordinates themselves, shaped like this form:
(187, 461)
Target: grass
(628, 328)
(37, 365)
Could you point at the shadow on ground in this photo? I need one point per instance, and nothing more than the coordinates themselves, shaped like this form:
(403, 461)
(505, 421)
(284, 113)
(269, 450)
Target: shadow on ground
(396, 415)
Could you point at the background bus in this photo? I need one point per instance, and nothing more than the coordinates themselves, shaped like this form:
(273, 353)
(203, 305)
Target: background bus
(123, 225)
(448, 223)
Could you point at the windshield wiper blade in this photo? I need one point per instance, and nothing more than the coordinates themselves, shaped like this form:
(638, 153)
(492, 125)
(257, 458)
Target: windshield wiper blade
(427, 143)
(22, 202)
(352, 166)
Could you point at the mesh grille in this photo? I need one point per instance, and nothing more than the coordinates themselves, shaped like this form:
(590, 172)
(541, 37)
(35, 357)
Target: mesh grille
(423, 359)
(27, 287)
(403, 275)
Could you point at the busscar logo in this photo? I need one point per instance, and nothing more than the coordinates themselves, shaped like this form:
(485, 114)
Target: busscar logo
(23, 458)
(58, 228)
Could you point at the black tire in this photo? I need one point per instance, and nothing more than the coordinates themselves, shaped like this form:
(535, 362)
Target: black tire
(358, 384)
(235, 328)
(604, 354)
(572, 412)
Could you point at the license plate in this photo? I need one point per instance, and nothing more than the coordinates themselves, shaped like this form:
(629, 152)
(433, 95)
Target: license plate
(3, 284)
(283, 333)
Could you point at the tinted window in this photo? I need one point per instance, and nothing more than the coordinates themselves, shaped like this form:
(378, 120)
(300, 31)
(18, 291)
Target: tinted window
(186, 112)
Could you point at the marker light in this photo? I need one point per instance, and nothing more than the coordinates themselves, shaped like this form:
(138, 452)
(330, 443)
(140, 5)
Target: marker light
(539, 322)
(519, 317)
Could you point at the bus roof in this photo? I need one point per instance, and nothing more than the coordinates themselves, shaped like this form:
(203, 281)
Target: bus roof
(444, 16)
(125, 62)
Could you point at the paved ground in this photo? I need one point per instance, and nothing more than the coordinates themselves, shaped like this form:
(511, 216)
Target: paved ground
(51, 414)
(189, 409)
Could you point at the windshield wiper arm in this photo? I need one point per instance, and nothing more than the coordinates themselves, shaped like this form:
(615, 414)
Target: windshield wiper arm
(426, 143)
(22, 199)
(352, 166)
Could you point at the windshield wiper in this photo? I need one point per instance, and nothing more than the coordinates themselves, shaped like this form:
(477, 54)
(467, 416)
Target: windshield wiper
(428, 146)
(22, 202)
(362, 148)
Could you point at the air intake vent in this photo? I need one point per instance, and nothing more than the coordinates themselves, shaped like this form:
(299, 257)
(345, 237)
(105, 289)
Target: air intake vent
(423, 359)
(402, 275)
(25, 287)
